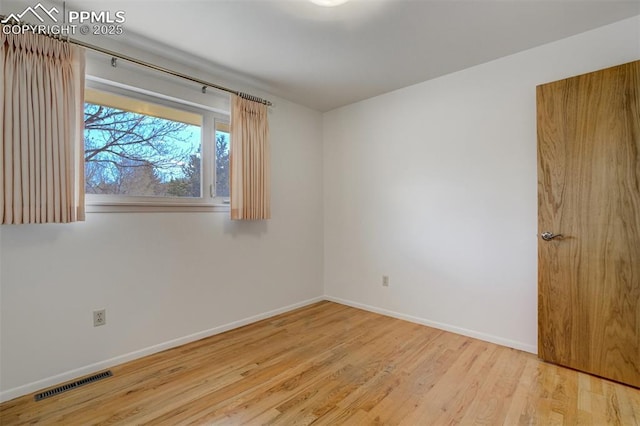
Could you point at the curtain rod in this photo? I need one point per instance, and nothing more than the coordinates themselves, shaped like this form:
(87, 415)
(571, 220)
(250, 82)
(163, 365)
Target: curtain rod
(205, 84)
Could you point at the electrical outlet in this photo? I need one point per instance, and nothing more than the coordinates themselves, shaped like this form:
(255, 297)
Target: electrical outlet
(99, 317)
(385, 281)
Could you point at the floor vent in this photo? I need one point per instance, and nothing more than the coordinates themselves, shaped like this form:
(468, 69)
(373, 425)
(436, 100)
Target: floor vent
(72, 385)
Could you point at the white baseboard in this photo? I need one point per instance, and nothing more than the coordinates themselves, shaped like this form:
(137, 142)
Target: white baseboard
(98, 366)
(92, 368)
(441, 326)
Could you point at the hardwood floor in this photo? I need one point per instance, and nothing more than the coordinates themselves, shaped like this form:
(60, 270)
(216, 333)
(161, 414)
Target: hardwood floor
(329, 364)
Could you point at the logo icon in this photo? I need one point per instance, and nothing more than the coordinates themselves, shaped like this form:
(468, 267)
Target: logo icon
(34, 11)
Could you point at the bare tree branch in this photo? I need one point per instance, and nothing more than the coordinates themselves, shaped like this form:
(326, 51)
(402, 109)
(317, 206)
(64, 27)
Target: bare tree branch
(117, 143)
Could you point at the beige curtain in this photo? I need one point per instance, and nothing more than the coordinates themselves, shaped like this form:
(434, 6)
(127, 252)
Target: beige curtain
(41, 139)
(249, 161)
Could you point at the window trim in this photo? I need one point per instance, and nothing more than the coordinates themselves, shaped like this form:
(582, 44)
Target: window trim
(212, 119)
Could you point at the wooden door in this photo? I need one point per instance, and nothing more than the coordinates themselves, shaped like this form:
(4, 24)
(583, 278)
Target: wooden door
(589, 191)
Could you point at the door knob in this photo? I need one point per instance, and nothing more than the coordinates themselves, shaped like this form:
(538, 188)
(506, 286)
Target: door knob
(548, 236)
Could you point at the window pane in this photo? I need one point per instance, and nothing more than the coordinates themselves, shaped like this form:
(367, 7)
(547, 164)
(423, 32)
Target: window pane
(135, 154)
(222, 163)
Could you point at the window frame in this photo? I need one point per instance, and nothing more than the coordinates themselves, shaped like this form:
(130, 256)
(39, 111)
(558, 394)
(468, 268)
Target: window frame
(211, 118)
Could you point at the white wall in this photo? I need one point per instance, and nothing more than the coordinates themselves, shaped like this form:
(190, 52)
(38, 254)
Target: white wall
(435, 185)
(164, 278)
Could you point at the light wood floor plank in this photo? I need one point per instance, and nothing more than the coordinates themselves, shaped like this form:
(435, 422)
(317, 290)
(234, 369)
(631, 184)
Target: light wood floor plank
(329, 364)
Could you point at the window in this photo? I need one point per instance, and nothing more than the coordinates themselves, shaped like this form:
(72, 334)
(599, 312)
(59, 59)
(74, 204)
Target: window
(222, 161)
(146, 151)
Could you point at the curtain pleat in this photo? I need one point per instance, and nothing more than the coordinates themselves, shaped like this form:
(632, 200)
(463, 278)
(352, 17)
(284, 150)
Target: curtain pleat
(42, 146)
(249, 161)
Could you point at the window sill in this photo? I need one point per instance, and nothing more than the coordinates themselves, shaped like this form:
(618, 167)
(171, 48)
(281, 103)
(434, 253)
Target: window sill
(155, 208)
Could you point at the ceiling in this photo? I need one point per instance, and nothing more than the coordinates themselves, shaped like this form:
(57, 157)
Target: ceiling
(328, 57)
